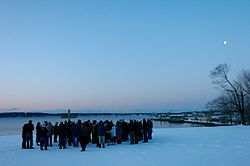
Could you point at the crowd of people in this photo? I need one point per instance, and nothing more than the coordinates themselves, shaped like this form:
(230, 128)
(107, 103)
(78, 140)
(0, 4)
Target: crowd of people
(101, 133)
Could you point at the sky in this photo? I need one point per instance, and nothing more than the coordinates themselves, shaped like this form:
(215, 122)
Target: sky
(119, 56)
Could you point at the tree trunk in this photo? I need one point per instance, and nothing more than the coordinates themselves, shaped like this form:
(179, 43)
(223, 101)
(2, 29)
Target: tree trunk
(242, 116)
(231, 119)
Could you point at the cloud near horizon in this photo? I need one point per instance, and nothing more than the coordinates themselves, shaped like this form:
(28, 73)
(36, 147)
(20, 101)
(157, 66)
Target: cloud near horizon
(9, 109)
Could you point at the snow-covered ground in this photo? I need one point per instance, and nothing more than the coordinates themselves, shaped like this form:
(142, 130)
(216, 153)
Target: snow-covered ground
(214, 146)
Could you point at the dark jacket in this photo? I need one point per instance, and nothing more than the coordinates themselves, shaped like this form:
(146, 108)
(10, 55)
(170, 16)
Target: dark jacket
(56, 129)
(131, 126)
(76, 130)
(150, 124)
(44, 132)
(29, 128)
(101, 129)
(84, 135)
(119, 129)
(145, 125)
(24, 129)
(84, 131)
(62, 130)
(38, 133)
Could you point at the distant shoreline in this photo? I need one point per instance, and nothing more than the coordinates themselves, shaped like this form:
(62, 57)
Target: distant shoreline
(41, 114)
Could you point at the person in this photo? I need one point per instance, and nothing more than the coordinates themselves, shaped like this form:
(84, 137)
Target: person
(69, 133)
(55, 132)
(43, 137)
(38, 133)
(50, 133)
(76, 130)
(95, 133)
(29, 135)
(108, 128)
(62, 135)
(145, 130)
(84, 138)
(113, 134)
(137, 131)
(125, 130)
(150, 128)
(101, 134)
(89, 127)
(119, 132)
(141, 131)
(131, 132)
(24, 130)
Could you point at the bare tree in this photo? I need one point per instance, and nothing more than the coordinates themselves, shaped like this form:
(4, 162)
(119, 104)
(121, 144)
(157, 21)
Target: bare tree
(235, 91)
(245, 79)
(219, 103)
(222, 103)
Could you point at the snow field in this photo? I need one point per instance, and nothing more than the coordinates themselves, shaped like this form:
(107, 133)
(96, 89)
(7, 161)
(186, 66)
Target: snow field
(204, 146)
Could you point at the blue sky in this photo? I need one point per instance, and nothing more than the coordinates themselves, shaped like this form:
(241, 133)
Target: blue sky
(118, 55)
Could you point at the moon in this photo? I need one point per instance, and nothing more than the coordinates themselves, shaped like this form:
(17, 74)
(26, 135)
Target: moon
(225, 42)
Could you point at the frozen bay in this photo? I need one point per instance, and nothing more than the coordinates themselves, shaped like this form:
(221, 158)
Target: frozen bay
(13, 125)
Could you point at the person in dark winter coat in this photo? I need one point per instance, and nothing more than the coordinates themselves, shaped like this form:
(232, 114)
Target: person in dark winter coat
(84, 136)
(131, 127)
(89, 127)
(43, 137)
(50, 133)
(69, 133)
(125, 130)
(108, 128)
(62, 132)
(29, 135)
(101, 134)
(24, 130)
(38, 133)
(119, 132)
(141, 131)
(137, 131)
(76, 130)
(150, 128)
(55, 132)
(95, 133)
(145, 130)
